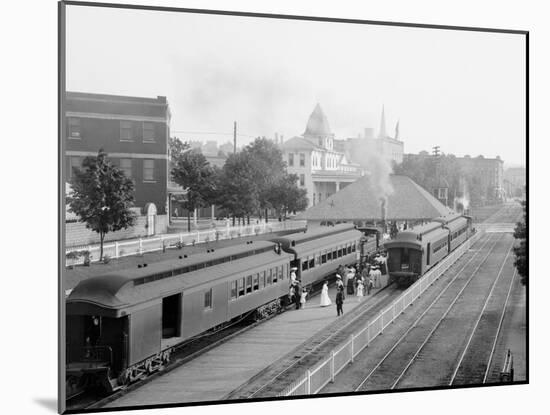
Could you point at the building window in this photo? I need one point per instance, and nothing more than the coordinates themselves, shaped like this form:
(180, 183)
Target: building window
(74, 163)
(148, 170)
(148, 132)
(74, 128)
(208, 299)
(302, 160)
(126, 167)
(291, 159)
(126, 133)
(302, 179)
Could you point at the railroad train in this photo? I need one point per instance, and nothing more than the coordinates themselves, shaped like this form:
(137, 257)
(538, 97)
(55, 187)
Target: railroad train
(124, 325)
(414, 251)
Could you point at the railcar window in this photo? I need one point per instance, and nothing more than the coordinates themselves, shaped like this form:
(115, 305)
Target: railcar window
(262, 279)
(241, 287)
(275, 275)
(269, 276)
(208, 299)
(234, 290)
(256, 282)
(335, 254)
(349, 249)
(318, 259)
(281, 273)
(339, 252)
(323, 258)
(305, 265)
(353, 247)
(249, 284)
(312, 263)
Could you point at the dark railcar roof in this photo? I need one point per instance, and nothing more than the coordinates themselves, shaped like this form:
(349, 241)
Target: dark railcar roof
(118, 292)
(293, 239)
(330, 241)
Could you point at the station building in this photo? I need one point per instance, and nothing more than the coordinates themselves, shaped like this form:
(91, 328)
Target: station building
(360, 203)
(322, 170)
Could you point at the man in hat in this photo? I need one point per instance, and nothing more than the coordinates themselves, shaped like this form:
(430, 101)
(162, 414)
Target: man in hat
(340, 302)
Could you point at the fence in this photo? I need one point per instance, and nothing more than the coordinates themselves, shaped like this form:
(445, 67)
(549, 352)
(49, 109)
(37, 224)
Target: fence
(158, 243)
(324, 372)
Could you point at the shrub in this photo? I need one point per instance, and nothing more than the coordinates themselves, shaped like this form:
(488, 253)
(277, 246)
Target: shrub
(106, 259)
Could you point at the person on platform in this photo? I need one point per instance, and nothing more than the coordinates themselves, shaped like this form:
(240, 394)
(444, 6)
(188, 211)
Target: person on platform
(325, 299)
(351, 281)
(303, 297)
(360, 288)
(293, 275)
(291, 294)
(297, 294)
(339, 283)
(340, 302)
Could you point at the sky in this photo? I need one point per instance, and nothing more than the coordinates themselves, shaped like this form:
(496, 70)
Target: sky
(463, 91)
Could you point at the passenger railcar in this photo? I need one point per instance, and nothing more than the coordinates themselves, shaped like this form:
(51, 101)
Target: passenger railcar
(125, 324)
(318, 253)
(415, 251)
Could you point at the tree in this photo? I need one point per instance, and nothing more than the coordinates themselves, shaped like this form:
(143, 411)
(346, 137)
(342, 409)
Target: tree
(520, 251)
(237, 191)
(192, 171)
(286, 196)
(268, 168)
(102, 196)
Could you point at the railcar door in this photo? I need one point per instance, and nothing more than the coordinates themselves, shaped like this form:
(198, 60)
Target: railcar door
(428, 249)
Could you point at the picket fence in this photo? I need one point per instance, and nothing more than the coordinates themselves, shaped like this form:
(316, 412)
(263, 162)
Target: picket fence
(139, 246)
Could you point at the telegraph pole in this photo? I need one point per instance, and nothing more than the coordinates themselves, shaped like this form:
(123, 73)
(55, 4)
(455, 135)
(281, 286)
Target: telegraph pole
(435, 151)
(234, 137)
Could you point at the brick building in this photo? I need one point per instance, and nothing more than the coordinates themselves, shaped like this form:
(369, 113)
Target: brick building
(133, 131)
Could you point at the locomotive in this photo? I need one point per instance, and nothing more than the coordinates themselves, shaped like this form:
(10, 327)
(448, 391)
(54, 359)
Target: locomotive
(414, 251)
(126, 324)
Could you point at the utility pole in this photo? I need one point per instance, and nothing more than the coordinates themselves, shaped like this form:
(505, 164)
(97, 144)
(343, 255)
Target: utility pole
(234, 137)
(436, 151)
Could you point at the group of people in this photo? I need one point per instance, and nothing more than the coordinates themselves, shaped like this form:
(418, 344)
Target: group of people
(297, 294)
(357, 280)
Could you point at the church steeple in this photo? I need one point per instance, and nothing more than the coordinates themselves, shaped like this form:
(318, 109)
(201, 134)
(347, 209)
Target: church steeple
(397, 130)
(382, 133)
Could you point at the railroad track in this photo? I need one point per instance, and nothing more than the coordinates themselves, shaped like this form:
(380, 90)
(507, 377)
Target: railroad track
(277, 377)
(417, 358)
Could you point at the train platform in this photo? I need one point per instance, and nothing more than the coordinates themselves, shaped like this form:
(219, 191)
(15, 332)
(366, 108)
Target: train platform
(217, 372)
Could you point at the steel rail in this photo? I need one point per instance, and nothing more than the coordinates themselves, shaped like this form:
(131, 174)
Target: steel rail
(499, 327)
(430, 334)
(413, 325)
(480, 316)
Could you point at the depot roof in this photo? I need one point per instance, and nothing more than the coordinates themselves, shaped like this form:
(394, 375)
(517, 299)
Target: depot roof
(361, 201)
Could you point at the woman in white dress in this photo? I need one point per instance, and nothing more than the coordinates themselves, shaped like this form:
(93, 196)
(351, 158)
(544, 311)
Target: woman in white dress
(360, 288)
(325, 300)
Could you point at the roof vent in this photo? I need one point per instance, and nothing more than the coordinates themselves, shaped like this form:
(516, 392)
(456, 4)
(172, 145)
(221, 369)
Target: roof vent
(139, 265)
(144, 265)
(180, 257)
(185, 256)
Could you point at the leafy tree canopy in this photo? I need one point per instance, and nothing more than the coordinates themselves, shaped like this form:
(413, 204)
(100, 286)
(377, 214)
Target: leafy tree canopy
(102, 196)
(520, 251)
